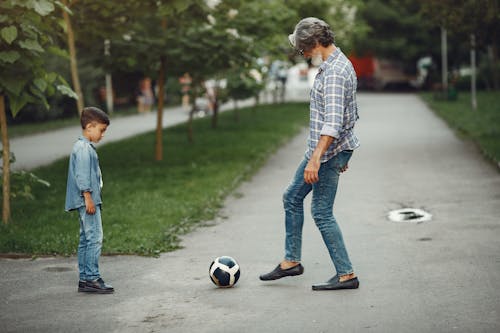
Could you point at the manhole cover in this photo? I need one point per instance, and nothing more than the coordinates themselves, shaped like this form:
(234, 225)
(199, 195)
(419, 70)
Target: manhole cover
(411, 215)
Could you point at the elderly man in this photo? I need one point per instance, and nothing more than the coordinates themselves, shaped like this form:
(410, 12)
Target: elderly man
(333, 114)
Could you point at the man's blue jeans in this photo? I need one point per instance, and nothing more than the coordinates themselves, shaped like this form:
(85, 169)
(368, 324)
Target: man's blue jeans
(322, 211)
(89, 248)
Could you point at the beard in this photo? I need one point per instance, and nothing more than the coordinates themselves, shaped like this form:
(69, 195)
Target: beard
(316, 59)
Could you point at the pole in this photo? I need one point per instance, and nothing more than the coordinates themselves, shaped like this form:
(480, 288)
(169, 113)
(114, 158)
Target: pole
(473, 72)
(109, 84)
(444, 60)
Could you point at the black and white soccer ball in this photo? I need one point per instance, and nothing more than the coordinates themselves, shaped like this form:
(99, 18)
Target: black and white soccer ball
(224, 271)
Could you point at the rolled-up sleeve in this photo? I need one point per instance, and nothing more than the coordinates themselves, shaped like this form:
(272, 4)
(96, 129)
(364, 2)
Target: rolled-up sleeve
(333, 89)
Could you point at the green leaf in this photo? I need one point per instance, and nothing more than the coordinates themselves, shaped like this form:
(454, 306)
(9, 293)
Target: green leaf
(51, 77)
(40, 97)
(3, 18)
(43, 7)
(40, 84)
(31, 44)
(14, 85)
(58, 52)
(17, 103)
(9, 57)
(9, 34)
(65, 90)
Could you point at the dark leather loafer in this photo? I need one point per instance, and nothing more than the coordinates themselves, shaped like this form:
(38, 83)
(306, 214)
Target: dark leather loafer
(98, 286)
(335, 284)
(279, 273)
(82, 286)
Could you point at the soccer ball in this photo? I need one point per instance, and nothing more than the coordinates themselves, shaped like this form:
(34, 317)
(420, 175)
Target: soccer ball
(224, 271)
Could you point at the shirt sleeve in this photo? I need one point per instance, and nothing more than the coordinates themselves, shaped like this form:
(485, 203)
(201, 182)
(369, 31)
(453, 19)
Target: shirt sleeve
(82, 169)
(333, 90)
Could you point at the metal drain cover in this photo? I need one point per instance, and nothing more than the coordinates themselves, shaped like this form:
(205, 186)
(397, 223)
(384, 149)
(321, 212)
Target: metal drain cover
(411, 215)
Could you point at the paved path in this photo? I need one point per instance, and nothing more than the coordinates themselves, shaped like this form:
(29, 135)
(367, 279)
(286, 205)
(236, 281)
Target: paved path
(437, 276)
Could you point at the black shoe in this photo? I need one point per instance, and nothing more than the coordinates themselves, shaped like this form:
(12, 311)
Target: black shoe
(335, 284)
(82, 287)
(279, 273)
(98, 286)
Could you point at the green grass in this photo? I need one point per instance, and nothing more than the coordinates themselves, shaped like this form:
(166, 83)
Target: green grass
(148, 204)
(481, 126)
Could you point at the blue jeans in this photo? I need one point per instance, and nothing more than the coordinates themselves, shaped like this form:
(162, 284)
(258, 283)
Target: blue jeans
(322, 211)
(89, 248)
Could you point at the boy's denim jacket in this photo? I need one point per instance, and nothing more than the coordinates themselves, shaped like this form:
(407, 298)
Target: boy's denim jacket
(84, 175)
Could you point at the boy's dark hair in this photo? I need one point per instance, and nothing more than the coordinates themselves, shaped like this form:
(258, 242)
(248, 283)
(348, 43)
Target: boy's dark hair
(92, 114)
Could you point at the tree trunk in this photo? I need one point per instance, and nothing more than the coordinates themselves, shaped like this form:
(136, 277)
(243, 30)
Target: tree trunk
(236, 111)
(190, 123)
(495, 67)
(159, 119)
(73, 61)
(6, 163)
(216, 112)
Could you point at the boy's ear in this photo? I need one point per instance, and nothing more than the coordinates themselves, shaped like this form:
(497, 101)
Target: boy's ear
(89, 125)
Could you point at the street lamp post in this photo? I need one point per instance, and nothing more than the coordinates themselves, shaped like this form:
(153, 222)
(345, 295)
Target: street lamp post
(473, 71)
(109, 84)
(444, 60)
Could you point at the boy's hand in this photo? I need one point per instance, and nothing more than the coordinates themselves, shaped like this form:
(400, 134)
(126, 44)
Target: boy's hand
(89, 203)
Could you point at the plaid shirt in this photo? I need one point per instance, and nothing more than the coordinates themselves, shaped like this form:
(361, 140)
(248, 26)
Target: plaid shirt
(333, 107)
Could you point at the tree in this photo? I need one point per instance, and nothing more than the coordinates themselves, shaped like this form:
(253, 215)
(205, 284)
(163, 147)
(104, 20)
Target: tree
(397, 30)
(26, 30)
(89, 25)
(467, 18)
(242, 85)
(73, 58)
(155, 37)
(234, 34)
(342, 15)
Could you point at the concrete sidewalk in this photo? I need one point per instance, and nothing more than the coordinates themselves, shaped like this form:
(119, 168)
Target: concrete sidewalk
(437, 276)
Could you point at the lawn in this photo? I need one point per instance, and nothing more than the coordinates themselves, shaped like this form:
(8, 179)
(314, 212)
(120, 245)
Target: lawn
(481, 126)
(148, 204)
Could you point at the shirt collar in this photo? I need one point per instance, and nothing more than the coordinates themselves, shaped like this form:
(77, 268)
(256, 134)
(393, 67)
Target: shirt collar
(331, 58)
(84, 139)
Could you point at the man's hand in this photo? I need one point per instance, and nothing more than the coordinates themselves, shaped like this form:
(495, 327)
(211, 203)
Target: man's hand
(89, 203)
(311, 172)
(312, 168)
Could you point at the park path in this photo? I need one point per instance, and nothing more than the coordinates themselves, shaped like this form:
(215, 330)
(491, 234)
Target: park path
(437, 276)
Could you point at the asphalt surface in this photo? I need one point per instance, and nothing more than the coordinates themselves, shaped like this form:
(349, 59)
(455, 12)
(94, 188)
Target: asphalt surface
(437, 276)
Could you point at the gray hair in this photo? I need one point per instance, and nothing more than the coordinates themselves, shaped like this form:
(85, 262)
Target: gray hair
(309, 32)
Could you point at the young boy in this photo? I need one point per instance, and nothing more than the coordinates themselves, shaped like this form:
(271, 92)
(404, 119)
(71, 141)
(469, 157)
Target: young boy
(83, 193)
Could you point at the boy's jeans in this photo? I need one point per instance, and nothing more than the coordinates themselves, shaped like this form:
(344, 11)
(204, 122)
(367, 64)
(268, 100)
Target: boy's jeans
(322, 211)
(89, 248)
